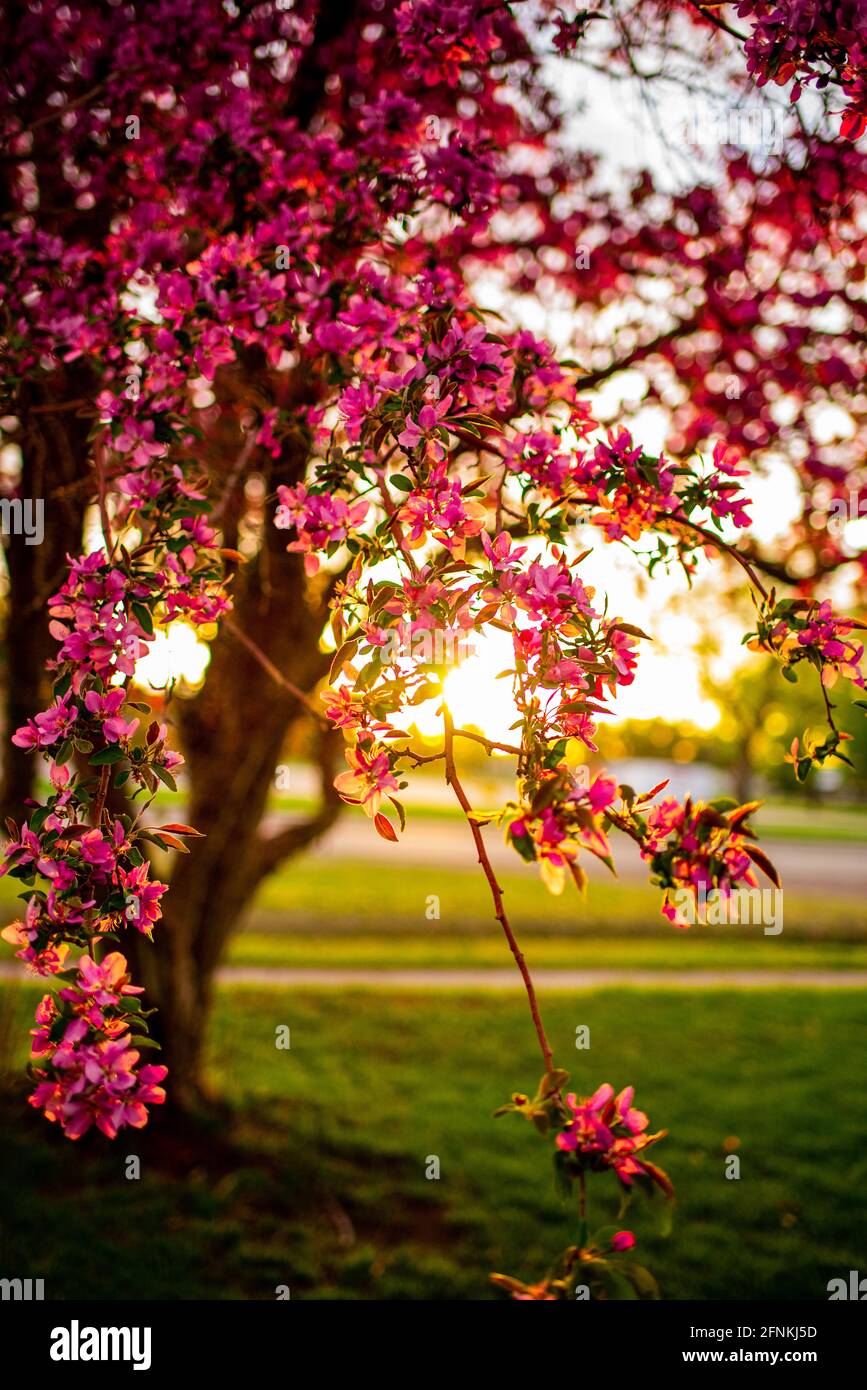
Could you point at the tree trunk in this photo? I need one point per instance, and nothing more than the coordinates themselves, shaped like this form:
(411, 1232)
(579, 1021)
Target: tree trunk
(743, 772)
(54, 455)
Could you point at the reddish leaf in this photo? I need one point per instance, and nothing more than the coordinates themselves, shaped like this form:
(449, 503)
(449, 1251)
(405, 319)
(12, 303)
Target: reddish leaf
(384, 827)
(759, 858)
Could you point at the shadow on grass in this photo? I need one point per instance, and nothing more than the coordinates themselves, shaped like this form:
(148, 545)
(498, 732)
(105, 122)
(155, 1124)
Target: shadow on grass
(316, 1179)
(238, 1208)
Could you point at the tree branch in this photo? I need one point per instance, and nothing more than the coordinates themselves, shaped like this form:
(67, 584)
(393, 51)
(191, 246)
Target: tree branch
(496, 892)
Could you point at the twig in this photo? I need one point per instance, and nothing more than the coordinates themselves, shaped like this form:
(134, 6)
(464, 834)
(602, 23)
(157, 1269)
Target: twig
(102, 793)
(496, 892)
(729, 550)
(60, 111)
(392, 514)
(267, 665)
(705, 12)
(488, 743)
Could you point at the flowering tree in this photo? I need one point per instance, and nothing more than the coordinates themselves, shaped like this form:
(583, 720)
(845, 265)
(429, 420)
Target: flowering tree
(269, 278)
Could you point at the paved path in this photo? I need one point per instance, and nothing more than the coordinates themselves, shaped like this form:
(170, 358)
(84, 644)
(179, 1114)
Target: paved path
(283, 977)
(544, 979)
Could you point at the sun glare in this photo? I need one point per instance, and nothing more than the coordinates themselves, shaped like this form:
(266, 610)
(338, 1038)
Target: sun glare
(480, 698)
(175, 654)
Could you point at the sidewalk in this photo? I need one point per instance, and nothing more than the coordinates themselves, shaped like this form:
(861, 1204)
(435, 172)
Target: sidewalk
(282, 977)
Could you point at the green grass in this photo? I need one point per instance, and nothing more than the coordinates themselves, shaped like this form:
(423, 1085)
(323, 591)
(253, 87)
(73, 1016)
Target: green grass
(786, 820)
(350, 896)
(326, 1191)
(437, 951)
(323, 913)
(346, 914)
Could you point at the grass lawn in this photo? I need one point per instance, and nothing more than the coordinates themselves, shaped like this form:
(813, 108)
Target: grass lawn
(444, 951)
(350, 896)
(326, 913)
(323, 913)
(325, 1189)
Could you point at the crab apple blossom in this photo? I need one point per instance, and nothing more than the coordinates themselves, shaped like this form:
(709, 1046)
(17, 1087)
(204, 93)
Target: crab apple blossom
(319, 520)
(605, 1132)
(812, 44)
(369, 776)
(85, 1060)
(281, 290)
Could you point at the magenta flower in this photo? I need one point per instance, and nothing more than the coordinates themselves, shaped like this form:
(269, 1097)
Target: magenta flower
(416, 432)
(107, 708)
(319, 519)
(605, 1132)
(370, 776)
(623, 1240)
(48, 728)
(97, 851)
(143, 897)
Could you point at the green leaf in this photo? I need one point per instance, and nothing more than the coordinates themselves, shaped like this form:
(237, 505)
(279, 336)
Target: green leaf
(641, 1280)
(143, 614)
(110, 754)
(345, 652)
(552, 1081)
(611, 1282)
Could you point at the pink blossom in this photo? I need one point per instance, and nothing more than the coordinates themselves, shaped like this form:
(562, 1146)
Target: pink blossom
(622, 1240)
(144, 910)
(369, 777)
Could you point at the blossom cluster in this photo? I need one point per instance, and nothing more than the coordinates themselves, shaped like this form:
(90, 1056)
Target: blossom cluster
(85, 869)
(797, 630)
(596, 1134)
(812, 43)
(693, 845)
(606, 1133)
(559, 822)
(86, 1051)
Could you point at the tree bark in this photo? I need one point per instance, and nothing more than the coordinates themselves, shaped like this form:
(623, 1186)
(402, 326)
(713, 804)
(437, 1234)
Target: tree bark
(55, 469)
